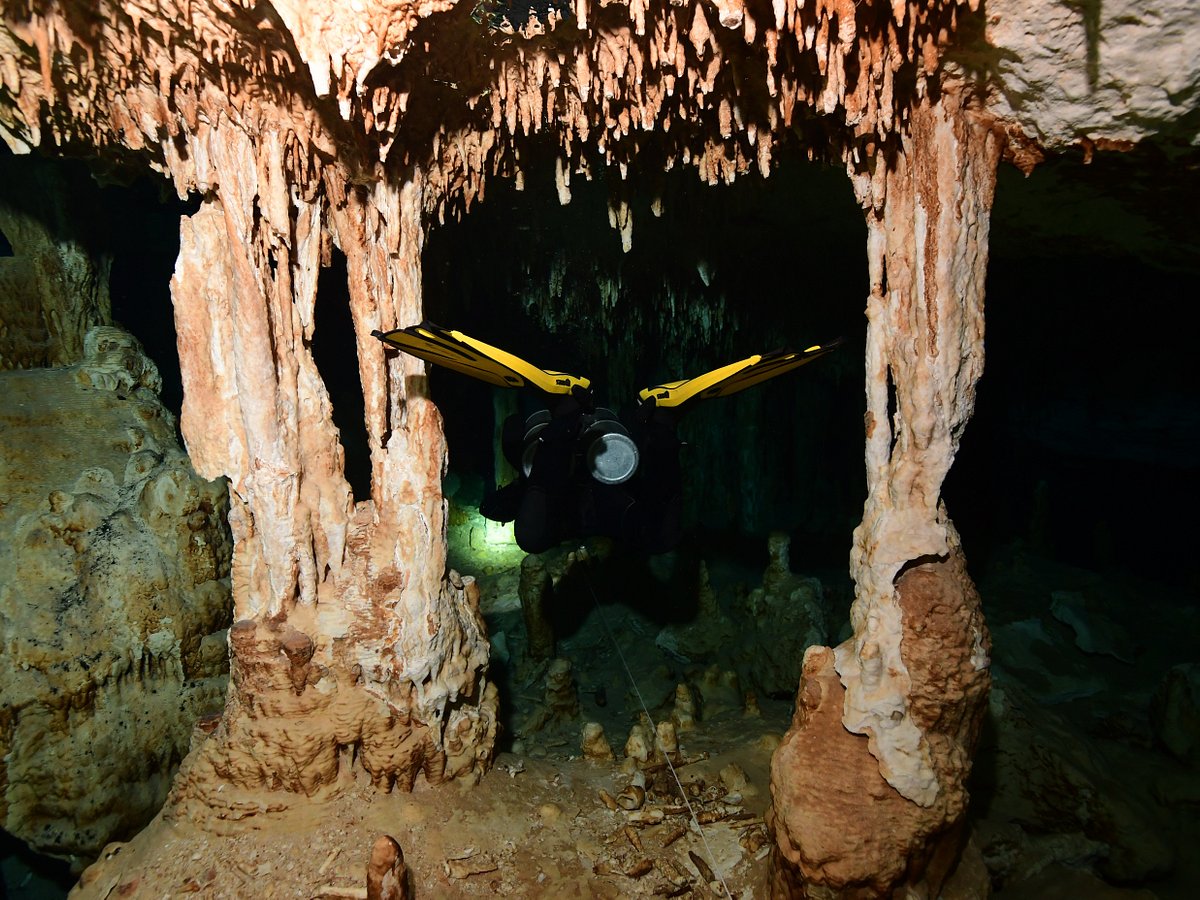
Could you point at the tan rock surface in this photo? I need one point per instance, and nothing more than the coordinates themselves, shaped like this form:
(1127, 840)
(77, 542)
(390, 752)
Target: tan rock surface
(114, 597)
(1100, 76)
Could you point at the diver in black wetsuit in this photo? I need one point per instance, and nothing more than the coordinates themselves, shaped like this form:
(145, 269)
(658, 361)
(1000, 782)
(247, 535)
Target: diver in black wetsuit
(583, 472)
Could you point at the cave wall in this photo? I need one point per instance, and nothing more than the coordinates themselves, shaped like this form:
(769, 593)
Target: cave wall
(1091, 75)
(114, 598)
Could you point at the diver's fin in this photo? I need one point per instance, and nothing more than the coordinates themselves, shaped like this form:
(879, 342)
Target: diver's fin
(732, 378)
(465, 354)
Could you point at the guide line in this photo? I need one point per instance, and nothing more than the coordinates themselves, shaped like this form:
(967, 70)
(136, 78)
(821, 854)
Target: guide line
(712, 860)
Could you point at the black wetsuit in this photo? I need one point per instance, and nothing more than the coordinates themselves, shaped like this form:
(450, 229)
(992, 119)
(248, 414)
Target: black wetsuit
(555, 498)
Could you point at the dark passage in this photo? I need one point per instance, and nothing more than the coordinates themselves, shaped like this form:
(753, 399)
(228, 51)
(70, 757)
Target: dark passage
(143, 239)
(722, 273)
(1086, 431)
(336, 354)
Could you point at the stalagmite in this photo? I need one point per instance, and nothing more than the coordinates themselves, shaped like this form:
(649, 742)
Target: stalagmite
(683, 714)
(594, 744)
(387, 876)
(535, 591)
(928, 220)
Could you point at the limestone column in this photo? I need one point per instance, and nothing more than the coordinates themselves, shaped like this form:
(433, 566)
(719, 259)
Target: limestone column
(350, 647)
(869, 784)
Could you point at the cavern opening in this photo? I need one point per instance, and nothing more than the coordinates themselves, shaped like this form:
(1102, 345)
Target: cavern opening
(712, 275)
(712, 278)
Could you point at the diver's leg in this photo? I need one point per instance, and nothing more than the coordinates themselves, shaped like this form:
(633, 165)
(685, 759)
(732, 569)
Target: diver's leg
(655, 522)
(512, 439)
(503, 504)
(537, 528)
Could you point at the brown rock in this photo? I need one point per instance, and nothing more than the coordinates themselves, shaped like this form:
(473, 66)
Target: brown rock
(387, 876)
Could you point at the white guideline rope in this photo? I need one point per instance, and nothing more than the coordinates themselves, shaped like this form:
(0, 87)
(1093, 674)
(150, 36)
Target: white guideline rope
(674, 774)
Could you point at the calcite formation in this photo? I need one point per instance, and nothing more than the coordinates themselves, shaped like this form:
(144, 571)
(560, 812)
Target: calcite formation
(843, 823)
(925, 349)
(788, 615)
(114, 598)
(927, 253)
(304, 126)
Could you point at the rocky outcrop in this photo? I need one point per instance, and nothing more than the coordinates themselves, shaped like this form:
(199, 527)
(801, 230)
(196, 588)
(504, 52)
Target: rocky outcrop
(114, 599)
(1071, 804)
(1175, 713)
(1102, 75)
(839, 825)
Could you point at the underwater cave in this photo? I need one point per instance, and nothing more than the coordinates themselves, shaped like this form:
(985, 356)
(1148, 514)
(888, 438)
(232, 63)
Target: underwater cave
(246, 583)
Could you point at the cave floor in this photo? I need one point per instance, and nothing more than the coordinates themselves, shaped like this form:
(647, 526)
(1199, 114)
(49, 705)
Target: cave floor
(531, 828)
(537, 825)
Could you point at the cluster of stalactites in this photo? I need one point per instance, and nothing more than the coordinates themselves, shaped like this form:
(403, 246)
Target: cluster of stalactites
(562, 288)
(709, 84)
(158, 81)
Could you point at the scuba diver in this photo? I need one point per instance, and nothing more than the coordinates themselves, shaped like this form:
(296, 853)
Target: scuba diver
(581, 470)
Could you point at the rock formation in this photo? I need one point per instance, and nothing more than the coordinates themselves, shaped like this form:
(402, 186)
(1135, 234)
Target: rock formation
(114, 598)
(843, 822)
(1175, 713)
(54, 287)
(924, 355)
(309, 125)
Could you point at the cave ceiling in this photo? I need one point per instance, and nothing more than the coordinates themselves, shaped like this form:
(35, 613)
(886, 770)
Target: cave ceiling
(458, 89)
(624, 90)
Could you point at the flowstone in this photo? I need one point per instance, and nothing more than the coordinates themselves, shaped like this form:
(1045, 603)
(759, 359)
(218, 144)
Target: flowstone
(113, 603)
